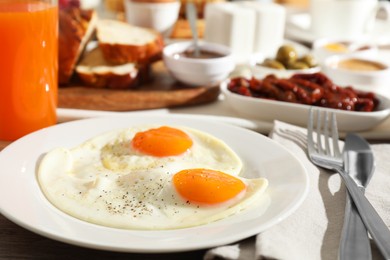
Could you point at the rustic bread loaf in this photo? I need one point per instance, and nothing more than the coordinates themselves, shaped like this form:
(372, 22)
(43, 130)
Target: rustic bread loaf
(76, 27)
(96, 72)
(122, 43)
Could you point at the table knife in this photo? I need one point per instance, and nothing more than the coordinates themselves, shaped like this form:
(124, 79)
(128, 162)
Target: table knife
(359, 163)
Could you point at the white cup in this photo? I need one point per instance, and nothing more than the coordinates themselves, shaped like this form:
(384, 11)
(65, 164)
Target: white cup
(89, 4)
(344, 18)
(159, 16)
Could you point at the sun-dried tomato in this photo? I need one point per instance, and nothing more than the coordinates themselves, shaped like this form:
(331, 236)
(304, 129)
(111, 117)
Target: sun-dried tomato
(311, 89)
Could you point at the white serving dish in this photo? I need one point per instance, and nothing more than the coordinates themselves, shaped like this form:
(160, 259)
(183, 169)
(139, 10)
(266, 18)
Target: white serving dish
(269, 110)
(195, 71)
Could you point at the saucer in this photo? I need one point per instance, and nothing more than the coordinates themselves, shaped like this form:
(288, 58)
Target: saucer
(298, 29)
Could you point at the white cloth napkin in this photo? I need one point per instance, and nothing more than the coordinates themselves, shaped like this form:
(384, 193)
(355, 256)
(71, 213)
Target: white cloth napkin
(313, 231)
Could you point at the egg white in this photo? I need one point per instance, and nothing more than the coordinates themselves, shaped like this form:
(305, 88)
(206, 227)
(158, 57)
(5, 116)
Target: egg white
(117, 154)
(101, 182)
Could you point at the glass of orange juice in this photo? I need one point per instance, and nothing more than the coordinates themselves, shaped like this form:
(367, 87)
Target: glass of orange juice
(28, 66)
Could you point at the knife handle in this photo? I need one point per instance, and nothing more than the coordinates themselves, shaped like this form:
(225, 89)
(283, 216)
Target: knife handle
(354, 243)
(371, 219)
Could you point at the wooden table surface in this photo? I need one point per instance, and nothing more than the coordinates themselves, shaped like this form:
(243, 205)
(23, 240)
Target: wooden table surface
(19, 243)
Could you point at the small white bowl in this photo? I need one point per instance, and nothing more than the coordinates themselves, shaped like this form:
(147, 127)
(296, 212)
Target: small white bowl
(196, 71)
(270, 110)
(158, 16)
(326, 47)
(360, 79)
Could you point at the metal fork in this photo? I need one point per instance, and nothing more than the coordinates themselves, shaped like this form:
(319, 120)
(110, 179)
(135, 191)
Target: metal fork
(326, 155)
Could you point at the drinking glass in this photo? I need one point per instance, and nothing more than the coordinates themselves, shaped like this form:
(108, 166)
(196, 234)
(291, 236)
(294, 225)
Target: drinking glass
(28, 66)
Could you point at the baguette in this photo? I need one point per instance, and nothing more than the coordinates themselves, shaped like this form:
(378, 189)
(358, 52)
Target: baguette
(96, 72)
(76, 27)
(123, 43)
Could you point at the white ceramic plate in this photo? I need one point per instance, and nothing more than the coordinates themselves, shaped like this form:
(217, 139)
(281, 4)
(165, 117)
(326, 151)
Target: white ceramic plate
(22, 201)
(269, 110)
(298, 29)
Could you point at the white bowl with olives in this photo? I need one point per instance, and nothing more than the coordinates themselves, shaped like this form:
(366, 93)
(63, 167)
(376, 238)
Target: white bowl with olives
(291, 58)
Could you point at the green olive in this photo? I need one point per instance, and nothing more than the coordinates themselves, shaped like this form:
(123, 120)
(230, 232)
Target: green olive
(286, 54)
(297, 65)
(270, 63)
(309, 60)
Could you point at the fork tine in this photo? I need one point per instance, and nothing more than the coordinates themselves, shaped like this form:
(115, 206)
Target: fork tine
(320, 148)
(335, 136)
(310, 140)
(326, 133)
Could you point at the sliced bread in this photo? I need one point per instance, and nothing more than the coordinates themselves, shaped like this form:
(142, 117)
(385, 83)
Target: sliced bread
(96, 72)
(122, 43)
(76, 27)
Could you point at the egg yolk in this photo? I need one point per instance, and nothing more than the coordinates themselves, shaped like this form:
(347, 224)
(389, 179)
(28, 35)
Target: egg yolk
(336, 47)
(207, 186)
(162, 141)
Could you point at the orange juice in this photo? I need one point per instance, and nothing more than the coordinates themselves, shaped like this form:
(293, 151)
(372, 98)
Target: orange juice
(28, 66)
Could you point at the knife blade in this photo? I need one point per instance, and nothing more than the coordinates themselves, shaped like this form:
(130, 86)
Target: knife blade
(359, 163)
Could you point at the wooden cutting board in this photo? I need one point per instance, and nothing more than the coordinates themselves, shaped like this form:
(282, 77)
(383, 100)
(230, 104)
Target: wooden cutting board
(163, 91)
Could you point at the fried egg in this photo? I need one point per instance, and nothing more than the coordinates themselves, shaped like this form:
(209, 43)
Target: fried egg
(147, 177)
(146, 147)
